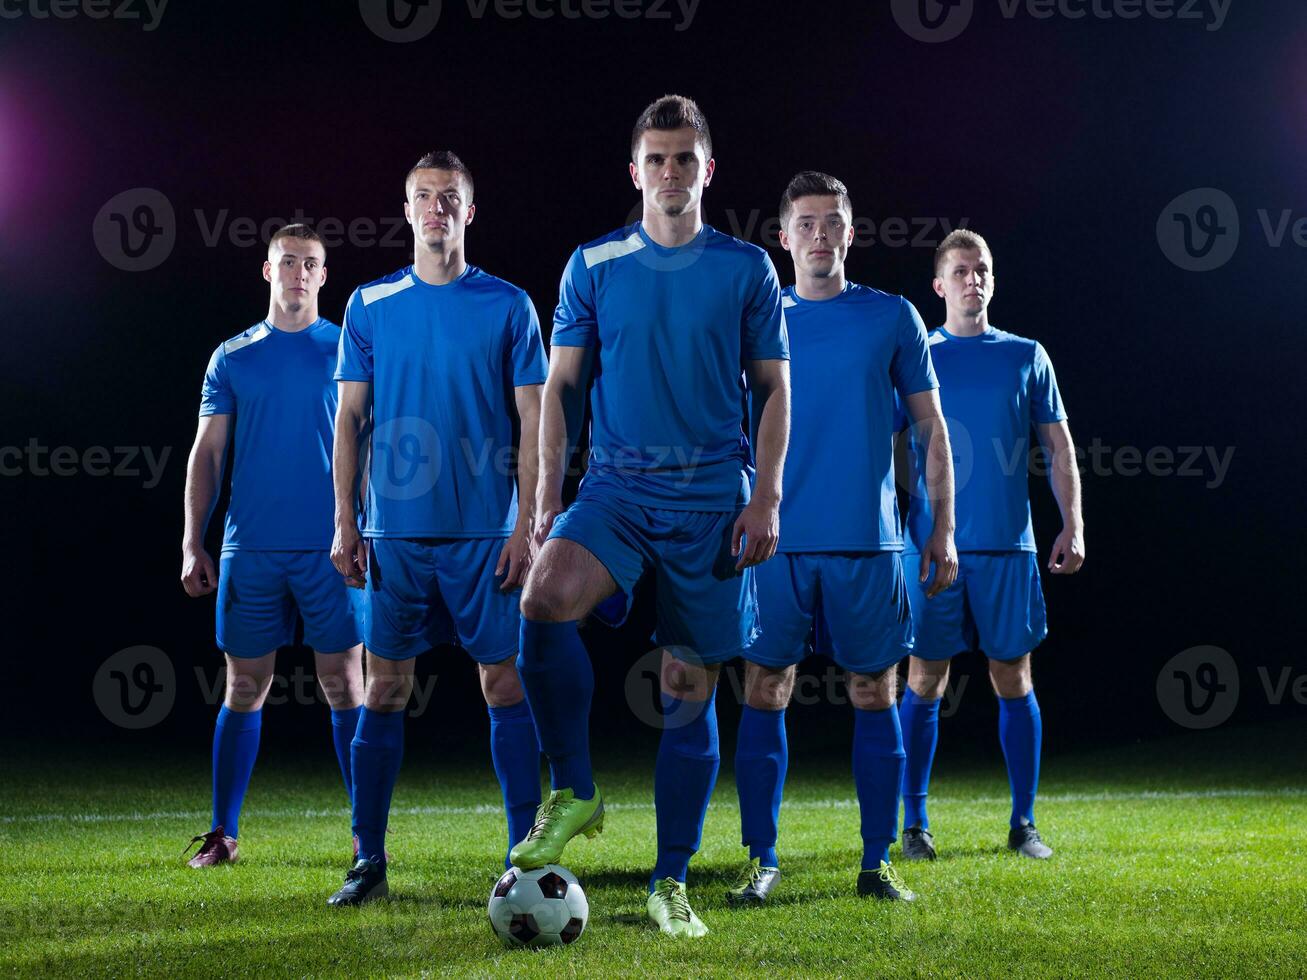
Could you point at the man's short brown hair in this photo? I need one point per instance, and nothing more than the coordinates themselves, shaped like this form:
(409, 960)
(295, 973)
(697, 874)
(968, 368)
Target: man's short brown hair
(442, 160)
(296, 231)
(672, 112)
(963, 238)
(810, 183)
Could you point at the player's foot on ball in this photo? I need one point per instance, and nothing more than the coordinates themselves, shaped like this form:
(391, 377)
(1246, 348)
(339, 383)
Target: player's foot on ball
(364, 882)
(884, 883)
(918, 844)
(215, 848)
(754, 885)
(669, 908)
(1025, 840)
(356, 850)
(560, 818)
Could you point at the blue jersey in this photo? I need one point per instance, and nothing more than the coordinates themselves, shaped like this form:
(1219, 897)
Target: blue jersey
(849, 356)
(993, 388)
(671, 329)
(278, 385)
(443, 362)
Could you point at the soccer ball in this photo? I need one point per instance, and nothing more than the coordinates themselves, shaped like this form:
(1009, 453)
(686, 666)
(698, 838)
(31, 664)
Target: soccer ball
(545, 907)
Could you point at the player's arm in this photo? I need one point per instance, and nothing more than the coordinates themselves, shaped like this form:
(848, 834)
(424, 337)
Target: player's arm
(932, 432)
(203, 480)
(515, 558)
(353, 408)
(562, 407)
(759, 524)
(1068, 552)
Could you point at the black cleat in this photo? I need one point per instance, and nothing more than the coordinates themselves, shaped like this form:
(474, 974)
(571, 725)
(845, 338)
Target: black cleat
(1025, 840)
(754, 885)
(918, 844)
(884, 883)
(364, 882)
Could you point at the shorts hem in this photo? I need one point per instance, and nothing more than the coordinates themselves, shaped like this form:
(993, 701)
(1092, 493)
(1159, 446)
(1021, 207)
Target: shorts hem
(241, 655)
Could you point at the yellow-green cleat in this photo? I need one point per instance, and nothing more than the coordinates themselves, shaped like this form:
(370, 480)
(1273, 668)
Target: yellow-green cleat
(560, 818)
(669, 907)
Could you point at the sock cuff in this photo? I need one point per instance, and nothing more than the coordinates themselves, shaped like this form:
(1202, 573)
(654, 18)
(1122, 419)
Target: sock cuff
(240, 721)
(381, 723)
(341, 717)
(1027, 701)
(911, 697)
(879, 728)
(760, 714)
(509, 712)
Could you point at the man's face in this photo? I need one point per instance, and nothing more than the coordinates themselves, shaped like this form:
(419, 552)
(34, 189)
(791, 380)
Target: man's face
(966, 280)
(438, 208)
(670, 171)
(817, 235)
(297, 268)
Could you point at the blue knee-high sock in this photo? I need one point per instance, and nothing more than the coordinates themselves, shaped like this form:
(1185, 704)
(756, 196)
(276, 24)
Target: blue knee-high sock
(516, 754)
(1020, 730)
(559, 683)
(684, 776)
(375, 755)
(920, 721)
(235, 746)
(878, 773)
(344, 723)
(761, 759)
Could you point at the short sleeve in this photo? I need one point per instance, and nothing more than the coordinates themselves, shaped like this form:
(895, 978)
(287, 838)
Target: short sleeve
(216, 395)
(911, 369)
(1045, 400)
(528, 349)
(575, 321)
(764, 336)
(354, 354)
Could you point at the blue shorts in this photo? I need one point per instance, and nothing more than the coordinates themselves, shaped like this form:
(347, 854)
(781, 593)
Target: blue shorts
(423, 592)
(860, 601)
(707, 611)
(995, 605)
(259, 592)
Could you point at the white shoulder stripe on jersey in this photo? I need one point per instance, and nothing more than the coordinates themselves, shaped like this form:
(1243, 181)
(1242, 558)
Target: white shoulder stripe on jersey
(232, 346)
(370, 294)
(936, 338)
(612, 250)
(788, 301)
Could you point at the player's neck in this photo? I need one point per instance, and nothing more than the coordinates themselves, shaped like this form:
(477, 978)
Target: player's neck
(439, 267)
(292, 322)
(672, 230)
(819, 287)
(966, 325)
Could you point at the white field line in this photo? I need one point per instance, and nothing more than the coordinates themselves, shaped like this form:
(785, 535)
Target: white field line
(1142, 796)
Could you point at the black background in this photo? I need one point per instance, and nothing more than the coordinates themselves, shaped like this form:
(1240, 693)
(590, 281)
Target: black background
(1060, 140)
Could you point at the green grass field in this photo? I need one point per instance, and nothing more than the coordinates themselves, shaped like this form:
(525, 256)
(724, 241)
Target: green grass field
(1180, 857)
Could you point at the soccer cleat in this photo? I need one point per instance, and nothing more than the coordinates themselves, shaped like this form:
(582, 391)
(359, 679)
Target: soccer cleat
(560, 818)
(918, 844)
(669, 907)
(884, 883)
(215, 848)
(364, 882)
(755, 884)
(1025, 840)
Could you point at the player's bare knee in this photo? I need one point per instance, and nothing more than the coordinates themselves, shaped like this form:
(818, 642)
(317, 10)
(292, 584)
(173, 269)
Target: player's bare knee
(768, 689)
(390, 682)
(249, 679)
(686, 680)
(873, 692)
(928, 679)
(340, 676)
(500, 684)
(544, 602)
(1011, 678)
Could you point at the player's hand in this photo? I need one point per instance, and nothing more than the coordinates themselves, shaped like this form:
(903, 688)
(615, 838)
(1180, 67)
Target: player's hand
(515, 559)
(940, 550)
(198, 575)
(1068, 552)
(349, 554)
(759, 524)
(547, 509)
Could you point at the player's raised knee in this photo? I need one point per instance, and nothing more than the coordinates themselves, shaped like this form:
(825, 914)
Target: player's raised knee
(872, 692)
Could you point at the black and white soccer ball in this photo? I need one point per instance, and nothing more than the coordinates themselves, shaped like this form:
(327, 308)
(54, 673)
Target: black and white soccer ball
(545, 907)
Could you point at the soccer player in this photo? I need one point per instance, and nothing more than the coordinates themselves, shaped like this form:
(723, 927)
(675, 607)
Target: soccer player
(446, 361)
(667, 311)
(994, 386)
(851, 349)
(273, 385)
